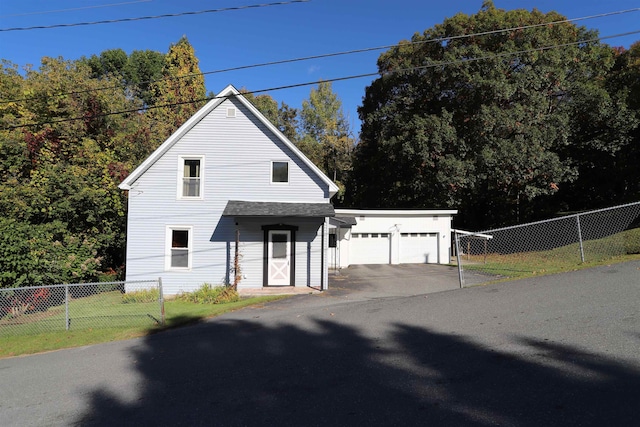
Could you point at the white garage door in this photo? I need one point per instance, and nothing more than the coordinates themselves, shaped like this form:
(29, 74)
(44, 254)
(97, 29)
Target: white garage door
(369, 248)
(419, 248)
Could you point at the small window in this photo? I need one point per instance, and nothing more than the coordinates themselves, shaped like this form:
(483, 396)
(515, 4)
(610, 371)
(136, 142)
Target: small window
(355, 235)
(190, 177)
(231, 112)
(332, 240)
(374, 234)
(179, 248)
(364, 235)
(385, 235)
(280, 172)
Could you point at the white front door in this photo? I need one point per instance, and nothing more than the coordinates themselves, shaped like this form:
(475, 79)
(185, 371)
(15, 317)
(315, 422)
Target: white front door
(279, 258)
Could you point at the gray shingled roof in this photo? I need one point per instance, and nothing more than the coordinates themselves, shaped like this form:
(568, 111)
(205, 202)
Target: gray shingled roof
(344, 221)
(242, 208)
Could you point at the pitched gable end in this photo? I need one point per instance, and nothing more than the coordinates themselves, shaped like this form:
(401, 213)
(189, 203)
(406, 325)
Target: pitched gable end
(226, 93)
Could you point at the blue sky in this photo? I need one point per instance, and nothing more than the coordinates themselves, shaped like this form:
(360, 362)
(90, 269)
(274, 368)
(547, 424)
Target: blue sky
(243, 37)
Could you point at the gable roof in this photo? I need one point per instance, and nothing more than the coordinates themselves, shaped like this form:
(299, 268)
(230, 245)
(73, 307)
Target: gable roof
(226, 93)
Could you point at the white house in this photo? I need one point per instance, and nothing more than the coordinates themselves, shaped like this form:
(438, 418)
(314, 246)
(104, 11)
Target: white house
(390, 237)
(228, 179)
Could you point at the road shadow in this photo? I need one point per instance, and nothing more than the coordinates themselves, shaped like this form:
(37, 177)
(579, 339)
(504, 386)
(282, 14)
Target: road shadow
(245, 373)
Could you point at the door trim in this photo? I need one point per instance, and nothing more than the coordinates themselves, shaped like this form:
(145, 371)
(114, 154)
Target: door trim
(292, 254)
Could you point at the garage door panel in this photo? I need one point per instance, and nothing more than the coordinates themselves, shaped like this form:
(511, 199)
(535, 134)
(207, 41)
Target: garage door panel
(369, 248)
(419, 248)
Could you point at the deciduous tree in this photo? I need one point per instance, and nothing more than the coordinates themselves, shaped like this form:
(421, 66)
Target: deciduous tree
(483, 123)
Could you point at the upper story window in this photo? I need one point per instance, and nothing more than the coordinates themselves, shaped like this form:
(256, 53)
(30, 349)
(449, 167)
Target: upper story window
(280, 172)
(190, 177)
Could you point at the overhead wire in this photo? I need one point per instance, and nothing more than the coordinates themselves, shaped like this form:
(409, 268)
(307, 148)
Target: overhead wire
(75, 9)
(342, 53)
(142, 18)
(337, 79)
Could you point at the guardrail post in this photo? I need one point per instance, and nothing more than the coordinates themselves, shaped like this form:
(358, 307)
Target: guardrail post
(67, 321)
(580, 238)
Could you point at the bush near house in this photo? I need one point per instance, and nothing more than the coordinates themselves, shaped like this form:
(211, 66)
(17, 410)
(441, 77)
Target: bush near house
(209, 294)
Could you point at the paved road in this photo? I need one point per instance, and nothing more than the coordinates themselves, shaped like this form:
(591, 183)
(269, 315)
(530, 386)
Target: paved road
(556, 350)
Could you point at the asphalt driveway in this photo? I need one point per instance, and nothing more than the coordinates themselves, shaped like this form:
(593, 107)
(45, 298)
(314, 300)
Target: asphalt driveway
(384, 280)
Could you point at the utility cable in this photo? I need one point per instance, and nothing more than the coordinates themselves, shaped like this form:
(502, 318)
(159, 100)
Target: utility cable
(99, 6)
(334, 54)
(337, 79)
(142, 18)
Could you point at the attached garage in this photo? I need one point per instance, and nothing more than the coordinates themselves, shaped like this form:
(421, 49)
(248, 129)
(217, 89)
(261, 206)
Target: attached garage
(390, 237)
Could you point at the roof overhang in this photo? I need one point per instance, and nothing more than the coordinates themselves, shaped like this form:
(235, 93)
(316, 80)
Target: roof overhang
(241, 208)
(343, 221)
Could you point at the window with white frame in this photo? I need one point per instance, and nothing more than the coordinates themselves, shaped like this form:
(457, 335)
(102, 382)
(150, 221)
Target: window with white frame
(279, 172)
(190, 177)
(179, 248)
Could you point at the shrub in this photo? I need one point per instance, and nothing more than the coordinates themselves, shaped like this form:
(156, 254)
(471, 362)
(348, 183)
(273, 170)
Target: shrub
(209, 294)
(143, 295)
(24, 301)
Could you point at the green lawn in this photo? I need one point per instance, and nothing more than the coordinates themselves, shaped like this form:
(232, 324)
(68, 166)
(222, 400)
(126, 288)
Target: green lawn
(103, 318)
(617, 248)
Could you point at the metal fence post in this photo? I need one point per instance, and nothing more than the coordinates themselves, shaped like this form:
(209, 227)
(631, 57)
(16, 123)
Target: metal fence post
(161, 301)
(580, 237)
(67, 321)
(460, 275)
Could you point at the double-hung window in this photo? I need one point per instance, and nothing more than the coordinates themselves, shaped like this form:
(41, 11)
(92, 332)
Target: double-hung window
(190, 177)
(179, 248)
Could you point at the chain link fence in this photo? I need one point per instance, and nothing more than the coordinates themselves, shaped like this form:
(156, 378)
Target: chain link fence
(79, 306)
(550, 245)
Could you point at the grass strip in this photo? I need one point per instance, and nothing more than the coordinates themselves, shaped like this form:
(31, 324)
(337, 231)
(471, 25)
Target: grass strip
(124, 321)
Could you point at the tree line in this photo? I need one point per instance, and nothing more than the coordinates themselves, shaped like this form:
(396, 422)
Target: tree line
(465, 123)
(451, 122)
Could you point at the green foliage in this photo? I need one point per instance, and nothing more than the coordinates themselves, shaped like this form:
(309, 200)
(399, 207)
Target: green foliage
(284, 117)
(209, 294)
(326, 138)
(180, 92)
(45, 254)
(497, 137)
(141, 296)
(64, 217)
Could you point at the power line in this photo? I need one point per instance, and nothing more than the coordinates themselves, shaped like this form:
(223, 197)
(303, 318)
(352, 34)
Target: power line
(141, 18)
(99, 6)
(337, 79)
(348, 52)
